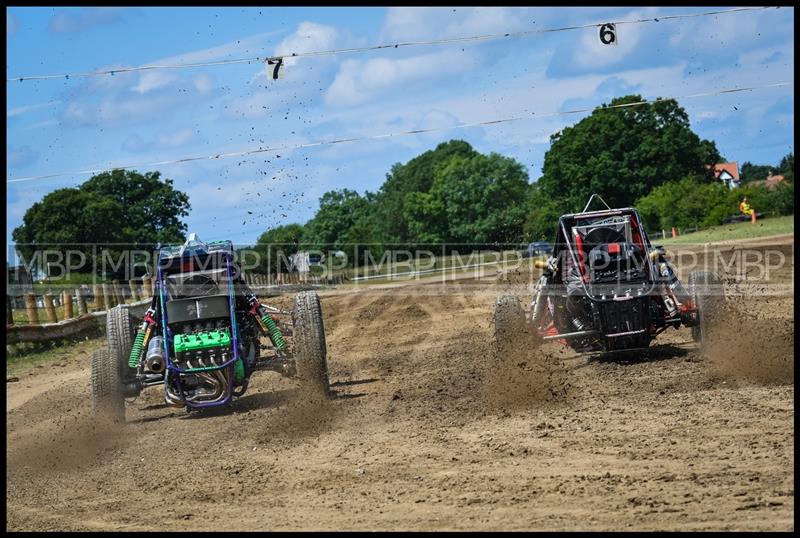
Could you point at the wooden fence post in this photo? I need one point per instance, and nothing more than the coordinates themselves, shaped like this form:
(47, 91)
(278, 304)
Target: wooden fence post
(108, 298)
(146, 286)
(134, 295)
(9, 311)
(98, 298)
(30, 306)
(119, 295)
(117, 292)
(67, 305)
(81, 302)
(50, 308)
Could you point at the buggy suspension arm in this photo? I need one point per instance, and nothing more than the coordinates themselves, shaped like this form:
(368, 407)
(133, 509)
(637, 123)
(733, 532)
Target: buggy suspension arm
(142, 336)
(265, 321)
(550, 267)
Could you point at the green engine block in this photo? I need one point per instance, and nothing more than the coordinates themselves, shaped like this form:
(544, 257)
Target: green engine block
(206, 340)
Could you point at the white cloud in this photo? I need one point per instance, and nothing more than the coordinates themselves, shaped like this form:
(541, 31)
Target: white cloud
(241, 48)
(18, 111)
(359, 80)
(152, 80)
(592, 53)
(137, 96)
(309, 37)
(422, 23)
(45, 123)
(77, 20)
(177, 139)
(21, 157)
(165, 140)
(709, 35)
(204, 83)
(299, 75)
(116, 109)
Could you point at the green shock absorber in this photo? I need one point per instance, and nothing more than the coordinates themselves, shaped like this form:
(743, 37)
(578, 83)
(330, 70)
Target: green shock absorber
(274, 332)
(136, 350)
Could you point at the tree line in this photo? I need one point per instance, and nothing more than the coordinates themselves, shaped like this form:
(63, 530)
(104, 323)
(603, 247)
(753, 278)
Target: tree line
(645, 156)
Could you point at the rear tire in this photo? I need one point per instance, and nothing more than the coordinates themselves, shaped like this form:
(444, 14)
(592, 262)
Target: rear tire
(310, 348)
(121, 332)
(706, 290)
(107, 395)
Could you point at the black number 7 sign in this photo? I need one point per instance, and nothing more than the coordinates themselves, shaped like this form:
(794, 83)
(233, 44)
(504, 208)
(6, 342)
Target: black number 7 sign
(608, 34)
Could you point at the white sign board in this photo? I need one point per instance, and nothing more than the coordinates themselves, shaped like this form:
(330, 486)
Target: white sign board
(608, 33)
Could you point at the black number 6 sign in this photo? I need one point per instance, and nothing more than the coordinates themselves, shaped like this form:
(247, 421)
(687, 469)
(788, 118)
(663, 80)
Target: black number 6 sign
(608, 34)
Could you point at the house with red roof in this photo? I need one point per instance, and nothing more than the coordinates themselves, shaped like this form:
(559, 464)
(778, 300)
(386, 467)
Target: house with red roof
(728, 173)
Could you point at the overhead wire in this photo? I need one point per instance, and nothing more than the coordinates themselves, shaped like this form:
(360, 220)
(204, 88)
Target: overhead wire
(532, 115)
(397, 45)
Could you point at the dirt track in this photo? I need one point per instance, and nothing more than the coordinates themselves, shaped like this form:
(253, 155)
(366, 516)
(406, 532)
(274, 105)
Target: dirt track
(417, 438)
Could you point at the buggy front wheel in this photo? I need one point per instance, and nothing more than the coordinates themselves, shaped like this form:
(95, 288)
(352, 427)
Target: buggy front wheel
(107, 394)
(310, 349)
(121, 332)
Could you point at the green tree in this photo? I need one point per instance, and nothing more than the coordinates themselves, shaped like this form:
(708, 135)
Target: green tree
(119, 207)
(776, 201)
(276, 245)
(542, 213)
(621, 153)
(415, 176)
(753, 172)
(786, 167)
(338, 211)
(361, 242)
(153, 208)
(69, 220)
(482, 198)
(689, 202)
(425, 217)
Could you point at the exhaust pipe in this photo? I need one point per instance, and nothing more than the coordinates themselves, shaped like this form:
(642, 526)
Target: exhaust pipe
(155, 365)
(155, 355)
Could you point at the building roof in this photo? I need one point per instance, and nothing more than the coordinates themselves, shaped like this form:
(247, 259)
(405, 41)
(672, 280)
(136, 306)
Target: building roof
(771, 182)
(731, 168)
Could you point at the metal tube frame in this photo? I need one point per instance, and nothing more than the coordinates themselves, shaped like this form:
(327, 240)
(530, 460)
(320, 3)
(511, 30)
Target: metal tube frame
(172, 368)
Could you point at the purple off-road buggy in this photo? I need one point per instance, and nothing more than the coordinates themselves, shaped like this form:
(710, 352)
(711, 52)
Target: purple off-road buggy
(201, 338)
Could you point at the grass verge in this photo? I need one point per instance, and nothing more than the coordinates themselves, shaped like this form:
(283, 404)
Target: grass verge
(22, 359)
(735, 231)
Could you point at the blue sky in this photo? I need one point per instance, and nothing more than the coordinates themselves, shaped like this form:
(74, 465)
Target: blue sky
(64, 125)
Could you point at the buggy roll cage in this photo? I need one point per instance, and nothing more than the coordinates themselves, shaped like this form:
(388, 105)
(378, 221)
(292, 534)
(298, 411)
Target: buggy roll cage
(194, 249)
(645, 240)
